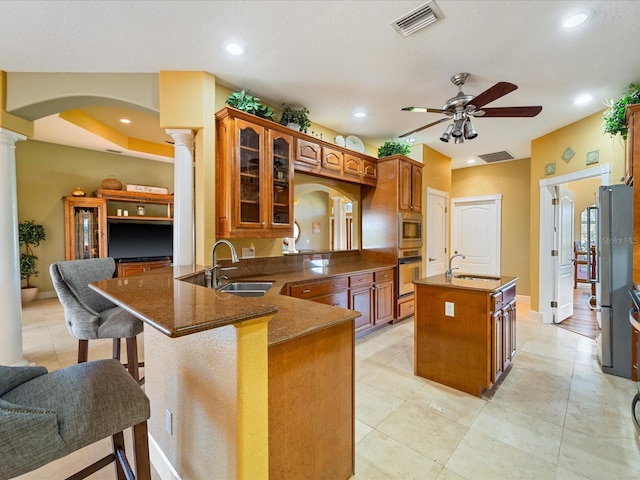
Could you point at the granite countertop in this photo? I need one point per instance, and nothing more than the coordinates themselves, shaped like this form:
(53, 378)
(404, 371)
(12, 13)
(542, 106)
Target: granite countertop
(490, 284)
(176, 307)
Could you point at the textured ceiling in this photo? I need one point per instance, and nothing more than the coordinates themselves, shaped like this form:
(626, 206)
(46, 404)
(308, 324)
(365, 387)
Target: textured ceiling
(335, 57)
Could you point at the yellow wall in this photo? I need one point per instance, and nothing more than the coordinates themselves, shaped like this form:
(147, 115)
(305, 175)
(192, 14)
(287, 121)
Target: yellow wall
(582, 136)
(511, 179)
(46, 172)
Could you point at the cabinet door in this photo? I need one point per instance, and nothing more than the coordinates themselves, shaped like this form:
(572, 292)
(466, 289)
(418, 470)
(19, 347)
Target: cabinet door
(383, 295)
(85, 228)
(248, 171)
(361, 300)
(416, 188)
(352, 165)
(405, 179)
(512, 330)
(308, 155)
(369, 171)
(332, 160)
(497, 346)
(281, 170)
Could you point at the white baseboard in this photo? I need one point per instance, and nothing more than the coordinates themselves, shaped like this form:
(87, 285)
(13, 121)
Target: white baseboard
(538, 316)
(160, 462)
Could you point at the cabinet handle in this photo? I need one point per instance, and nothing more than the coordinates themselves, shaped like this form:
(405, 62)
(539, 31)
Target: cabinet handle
(335, 285)
(306, 290)
(411, 307)
(336, 305)
(361, 280)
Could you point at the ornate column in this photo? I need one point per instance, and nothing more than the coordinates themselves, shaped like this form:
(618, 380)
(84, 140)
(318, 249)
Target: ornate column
(339, 238)
(183, 190)
(11, 318)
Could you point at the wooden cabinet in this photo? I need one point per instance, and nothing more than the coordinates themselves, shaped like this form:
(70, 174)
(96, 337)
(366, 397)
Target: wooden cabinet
(383, 297)
(134, 268)
(85, 227)
(254, 179)
(471, 349)
(410, 187)
(361, 300)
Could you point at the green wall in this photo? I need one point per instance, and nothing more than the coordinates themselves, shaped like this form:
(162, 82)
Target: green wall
(46, 172)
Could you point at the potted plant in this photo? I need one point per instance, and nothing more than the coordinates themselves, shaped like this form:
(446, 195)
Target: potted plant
(295, 118)
(614, 121)
(250, 104)
(30, 234)
(394, 147)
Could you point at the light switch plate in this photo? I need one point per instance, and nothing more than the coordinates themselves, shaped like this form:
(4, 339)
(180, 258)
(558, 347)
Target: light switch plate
(448, 309)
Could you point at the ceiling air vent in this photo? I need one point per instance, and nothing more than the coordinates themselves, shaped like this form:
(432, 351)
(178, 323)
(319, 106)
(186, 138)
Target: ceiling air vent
(417, 19)
(496, 156)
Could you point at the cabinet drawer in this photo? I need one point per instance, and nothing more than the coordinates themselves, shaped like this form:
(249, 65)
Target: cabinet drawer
(497, 301)
(383, 275)
(339, 299)
(406, 309)
(508, 294)
(316, 289)
(360, 279)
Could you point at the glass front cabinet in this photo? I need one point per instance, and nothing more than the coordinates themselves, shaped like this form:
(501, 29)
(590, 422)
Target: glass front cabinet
(253, 180)
(85, 220)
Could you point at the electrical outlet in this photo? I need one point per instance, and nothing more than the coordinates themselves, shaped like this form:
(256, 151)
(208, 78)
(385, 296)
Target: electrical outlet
(168, 421)
(448, 309)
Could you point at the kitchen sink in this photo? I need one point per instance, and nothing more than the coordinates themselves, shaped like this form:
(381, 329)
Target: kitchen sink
(486, 278)
(247, 289)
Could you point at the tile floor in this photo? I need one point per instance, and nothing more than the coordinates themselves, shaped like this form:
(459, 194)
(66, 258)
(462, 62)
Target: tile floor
(555, 415)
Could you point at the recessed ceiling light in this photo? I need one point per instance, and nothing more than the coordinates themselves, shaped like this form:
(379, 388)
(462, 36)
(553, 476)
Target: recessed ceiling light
(575, 19)
(235, 49)
(471, 160)
(360, 114)
(412, 140)
(583, 99)
(124, 120)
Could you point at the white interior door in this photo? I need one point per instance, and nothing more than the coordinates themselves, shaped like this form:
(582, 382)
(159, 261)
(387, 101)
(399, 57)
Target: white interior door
(436, 231)
(475, 233)
(564, 259)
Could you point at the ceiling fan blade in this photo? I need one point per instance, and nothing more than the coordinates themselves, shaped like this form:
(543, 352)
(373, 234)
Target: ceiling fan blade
(512, 111)
(424, 110)
(424, 126)
(500, 89)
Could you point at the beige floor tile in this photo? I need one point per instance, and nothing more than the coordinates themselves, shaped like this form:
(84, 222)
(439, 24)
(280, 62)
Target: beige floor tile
(527, 433)
(362, 430)
(394, 381)
(596, 421)
(481, 457)
(373, 405)
(379, 457)
(447, 474)
(424, 431)
(448, 402)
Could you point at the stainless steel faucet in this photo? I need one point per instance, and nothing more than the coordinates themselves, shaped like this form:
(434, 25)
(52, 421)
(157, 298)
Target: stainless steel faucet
(215, 268)
(449, 273)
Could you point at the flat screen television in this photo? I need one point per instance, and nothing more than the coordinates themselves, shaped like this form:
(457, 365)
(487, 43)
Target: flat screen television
(129, 241)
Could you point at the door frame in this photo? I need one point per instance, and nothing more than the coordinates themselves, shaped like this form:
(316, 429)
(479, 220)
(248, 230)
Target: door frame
(428, 234)
(546, 240)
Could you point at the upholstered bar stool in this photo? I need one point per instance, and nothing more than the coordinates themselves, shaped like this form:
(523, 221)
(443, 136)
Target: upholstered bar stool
(46, 416)
(89, 315)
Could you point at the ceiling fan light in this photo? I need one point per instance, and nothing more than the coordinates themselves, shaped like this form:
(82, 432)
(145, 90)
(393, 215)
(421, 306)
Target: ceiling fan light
(457, 128)
(469, 130)
(459, 140)
(447, 134)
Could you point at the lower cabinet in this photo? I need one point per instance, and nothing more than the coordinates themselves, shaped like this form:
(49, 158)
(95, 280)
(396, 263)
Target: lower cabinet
(503, 331)
(134, 268)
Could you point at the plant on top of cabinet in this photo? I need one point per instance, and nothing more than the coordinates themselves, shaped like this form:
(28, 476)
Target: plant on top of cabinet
(250, 104)
(297, 116)
(614, 121)
(394, 147)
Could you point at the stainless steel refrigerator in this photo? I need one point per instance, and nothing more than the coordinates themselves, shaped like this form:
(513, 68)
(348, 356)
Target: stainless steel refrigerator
(614, 266)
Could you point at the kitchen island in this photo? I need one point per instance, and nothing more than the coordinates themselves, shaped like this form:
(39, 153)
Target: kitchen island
(201, 375)
(465, 330)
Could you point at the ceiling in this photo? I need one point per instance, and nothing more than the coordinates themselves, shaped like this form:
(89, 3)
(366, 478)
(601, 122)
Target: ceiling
(338, 57)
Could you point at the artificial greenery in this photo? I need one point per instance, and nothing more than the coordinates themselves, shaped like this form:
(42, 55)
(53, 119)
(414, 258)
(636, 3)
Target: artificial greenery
(614, 121)
(250, 104)
(394, 147)
(30, 234)
(295, 115)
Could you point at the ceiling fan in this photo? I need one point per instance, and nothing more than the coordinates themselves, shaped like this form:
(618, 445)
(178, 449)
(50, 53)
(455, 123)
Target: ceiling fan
(462, 107)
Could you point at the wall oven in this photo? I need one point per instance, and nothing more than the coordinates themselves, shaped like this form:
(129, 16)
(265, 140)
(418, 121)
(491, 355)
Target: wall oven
(409, 230)
(409, 269)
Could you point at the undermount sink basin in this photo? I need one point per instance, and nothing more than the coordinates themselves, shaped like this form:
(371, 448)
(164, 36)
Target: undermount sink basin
(247, 289)
(486, 278)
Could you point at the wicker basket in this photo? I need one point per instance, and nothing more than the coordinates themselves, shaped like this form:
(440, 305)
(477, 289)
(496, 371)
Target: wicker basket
(111, 183)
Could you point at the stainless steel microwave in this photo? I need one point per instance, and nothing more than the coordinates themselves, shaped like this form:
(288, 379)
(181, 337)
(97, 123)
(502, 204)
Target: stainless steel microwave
(409, 230)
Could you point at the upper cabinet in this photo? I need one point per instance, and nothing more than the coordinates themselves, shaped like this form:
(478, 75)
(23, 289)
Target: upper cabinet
(410, 178)
(254, 173)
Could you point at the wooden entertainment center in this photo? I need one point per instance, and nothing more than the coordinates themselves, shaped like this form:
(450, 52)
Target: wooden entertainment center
(86, 221)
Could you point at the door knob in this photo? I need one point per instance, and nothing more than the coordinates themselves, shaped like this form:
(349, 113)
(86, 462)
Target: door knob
(432, 259)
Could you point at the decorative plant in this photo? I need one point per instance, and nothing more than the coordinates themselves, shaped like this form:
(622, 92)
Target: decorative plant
(30, 234)
(250, 104)
(394, 147)
(614, 121)
(295, 115)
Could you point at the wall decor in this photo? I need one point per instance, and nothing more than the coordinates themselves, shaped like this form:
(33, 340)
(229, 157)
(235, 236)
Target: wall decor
(315, 227)
(593, 157)
(568, 154)
(550, 168)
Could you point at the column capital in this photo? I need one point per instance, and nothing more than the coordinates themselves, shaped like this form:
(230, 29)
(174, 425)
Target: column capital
(181, 136)
(7, 136)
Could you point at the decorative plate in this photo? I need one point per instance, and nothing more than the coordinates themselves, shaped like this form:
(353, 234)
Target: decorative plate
(354, 143)
(340, 141)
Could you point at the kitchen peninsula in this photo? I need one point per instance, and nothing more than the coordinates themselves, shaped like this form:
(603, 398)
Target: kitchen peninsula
(465, 329)
(194, 376)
